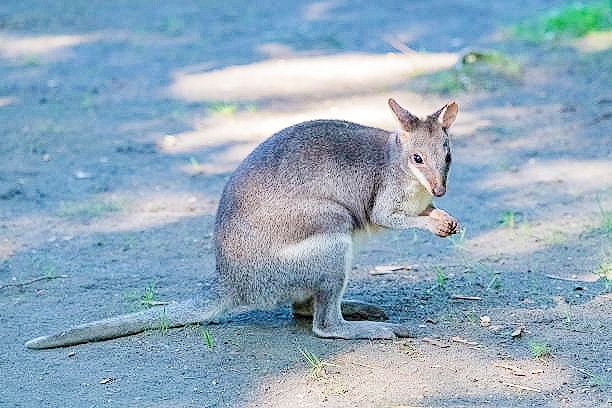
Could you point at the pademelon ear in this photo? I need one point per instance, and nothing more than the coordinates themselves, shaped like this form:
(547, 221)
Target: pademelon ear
(450, 114)
(401, 114)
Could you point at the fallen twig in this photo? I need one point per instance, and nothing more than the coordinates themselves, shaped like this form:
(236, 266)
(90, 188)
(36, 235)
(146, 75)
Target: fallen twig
(399, 45)
(582, 371)
(29, 282)
(515, 370)
(435, 342)
(464, 341)
(363, 365)
(387, 269)
(522, 387)
(563, 278)
(462, 297)
(154, 303)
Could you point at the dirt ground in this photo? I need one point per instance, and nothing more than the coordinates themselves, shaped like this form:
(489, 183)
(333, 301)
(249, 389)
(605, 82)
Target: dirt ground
(120, 122)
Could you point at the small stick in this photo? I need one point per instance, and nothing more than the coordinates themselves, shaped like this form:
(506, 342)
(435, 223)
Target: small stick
(515, 370)
(462, 297)
(435, 342)
(29, 282)
(581, 370)
(388, 269)
(398, 45)
(568, 279)
(362, 365)
(464, 341)
(522, 387)
(154, 303)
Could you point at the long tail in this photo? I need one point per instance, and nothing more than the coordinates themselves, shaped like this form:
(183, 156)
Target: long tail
(172, 315)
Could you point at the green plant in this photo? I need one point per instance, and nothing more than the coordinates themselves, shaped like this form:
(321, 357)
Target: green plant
(441, 277)
(149, 296)
(164, 322)
(599, 381)
(93, 208)
(539, 350)
(222, 108)
(471, 316)
(606, 220)
(494, 282)
(316, 365)
(605, 274)
(508, 219)
(31, 61)
(458, 240)
(474, 71)
(572, 21)
(207, 337)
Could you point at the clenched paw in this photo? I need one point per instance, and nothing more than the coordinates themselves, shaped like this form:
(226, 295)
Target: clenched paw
(445, 224)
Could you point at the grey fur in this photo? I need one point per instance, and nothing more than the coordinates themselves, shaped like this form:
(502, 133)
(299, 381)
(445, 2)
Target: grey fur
(286, 219)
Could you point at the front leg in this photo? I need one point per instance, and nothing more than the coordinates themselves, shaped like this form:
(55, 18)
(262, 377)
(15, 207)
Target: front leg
(443, 223)
(432, 219)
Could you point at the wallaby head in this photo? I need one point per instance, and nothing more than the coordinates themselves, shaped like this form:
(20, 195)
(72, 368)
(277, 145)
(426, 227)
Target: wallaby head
(425, 145)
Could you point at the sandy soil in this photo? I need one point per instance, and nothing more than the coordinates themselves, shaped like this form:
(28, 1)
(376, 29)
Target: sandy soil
(122, 120)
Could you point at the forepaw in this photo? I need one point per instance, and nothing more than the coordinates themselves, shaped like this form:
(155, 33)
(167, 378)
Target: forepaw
(444, 224)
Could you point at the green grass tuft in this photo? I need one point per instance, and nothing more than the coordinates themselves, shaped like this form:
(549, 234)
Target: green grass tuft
(164, 322)
(475, 71)
(317, 366)
(572, 21)
(441, 277)
(207, 337)
(90, 209)
(222, 108)
(540, 350)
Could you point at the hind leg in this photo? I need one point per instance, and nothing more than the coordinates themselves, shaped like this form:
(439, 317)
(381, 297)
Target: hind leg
(351, 310)
(327, 297)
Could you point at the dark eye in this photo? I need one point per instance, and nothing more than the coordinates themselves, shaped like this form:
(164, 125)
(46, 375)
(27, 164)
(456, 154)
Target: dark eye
(417, 159)
(448, 158)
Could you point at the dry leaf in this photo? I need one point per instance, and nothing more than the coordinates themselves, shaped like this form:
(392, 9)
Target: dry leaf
(518, 332)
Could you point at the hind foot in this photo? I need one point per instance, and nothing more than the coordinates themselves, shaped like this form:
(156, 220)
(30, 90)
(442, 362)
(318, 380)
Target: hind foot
(363, 330)
(351, 310)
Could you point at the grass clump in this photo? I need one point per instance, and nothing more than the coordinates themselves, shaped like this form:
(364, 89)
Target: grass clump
(89, 209)
(317, 366)
(508, 219)
(474, 71)
(164, 322)
(540, 350)
(441, 277)
(149, 296)
(605, 275)
(229, 109)
(572, 21)
(208, 338)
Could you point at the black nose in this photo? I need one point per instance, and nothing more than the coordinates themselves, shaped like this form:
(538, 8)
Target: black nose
(439, 191)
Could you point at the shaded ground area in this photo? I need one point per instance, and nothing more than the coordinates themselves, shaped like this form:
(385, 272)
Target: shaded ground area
(121, 122)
